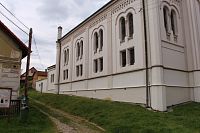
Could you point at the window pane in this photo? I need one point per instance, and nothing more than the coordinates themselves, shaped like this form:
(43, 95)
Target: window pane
(130, 20)
(165, 13)
(81, 48)
(81, 70)
(132, 56)
(96, 41)
(64, 75)
(67, 60)
(95, 66)
(123, 28)
(174, 22)
(123, 58)
(77, 71)
(101, 39)
(65, 54)
(101, 64)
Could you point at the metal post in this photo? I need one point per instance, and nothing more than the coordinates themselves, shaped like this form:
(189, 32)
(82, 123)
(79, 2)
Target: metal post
(146, 54)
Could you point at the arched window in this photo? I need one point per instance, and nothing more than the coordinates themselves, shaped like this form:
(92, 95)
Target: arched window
(101, 38)
(174, 22)
(122, 28)
(130, 24)
(96, 40)
(78, 50)
(65, 56)
(81, 48)
(166, 18)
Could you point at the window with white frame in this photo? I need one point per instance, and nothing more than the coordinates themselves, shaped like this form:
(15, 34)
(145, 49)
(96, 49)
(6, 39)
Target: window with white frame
(126, 27)
(170, 21)
(79, 70)
(95, 66)
(65, 74)
(131, 56)
(127, 57)
(78, 50)
(122, 29)
(66, 56)
(101, 64)
(123, 58)
(130, 24)
(166, 18)
(98, 65)
(52, 78)
(96, 42)
(174, 22)
(101, 39)
(81, 49)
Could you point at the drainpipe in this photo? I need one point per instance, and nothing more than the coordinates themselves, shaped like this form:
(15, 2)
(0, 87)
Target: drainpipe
(146, 56)
(58, 57)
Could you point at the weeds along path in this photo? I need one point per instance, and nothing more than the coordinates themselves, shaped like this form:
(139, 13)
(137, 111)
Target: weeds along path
(65, 121)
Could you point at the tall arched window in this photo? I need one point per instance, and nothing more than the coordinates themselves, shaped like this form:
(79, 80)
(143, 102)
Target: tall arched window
(166, 18)
(101, 38)
(130, 24)
(77, 50)
(174, 22)
(81, 48)
(65, 56)
(122, 28)
(96, 41)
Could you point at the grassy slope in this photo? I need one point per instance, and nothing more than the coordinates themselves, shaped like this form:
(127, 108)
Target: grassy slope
(118, 117)
(36, 123)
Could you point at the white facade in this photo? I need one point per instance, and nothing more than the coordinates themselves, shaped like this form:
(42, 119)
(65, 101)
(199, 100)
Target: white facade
(104, 56)
(41, 86)
(51, 87)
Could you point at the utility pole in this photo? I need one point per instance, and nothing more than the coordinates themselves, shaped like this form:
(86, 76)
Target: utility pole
(27, 65)
(146, 54)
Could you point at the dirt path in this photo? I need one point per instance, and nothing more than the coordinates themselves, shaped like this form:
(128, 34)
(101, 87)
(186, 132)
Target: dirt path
(76, 124)
(61, 127)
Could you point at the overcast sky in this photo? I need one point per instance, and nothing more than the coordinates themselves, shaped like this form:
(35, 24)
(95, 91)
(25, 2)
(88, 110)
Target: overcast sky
(44, 16)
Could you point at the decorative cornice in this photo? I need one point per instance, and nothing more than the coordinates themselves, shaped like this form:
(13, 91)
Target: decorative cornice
(98, 20)
(122, 5)
(79, 32)
(173, 2)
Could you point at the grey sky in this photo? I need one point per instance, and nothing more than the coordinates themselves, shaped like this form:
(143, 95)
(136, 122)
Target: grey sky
(44, 16)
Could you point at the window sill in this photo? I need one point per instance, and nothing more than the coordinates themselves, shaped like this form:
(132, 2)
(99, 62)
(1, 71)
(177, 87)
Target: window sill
(122, 41)
(130, 38)
(175, 38)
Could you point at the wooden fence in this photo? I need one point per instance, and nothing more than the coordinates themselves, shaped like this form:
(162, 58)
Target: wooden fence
(13, 110)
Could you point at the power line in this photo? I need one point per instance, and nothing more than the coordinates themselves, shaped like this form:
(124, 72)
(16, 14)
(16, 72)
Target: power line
(13, 15)
(38, 54)
(13, 23)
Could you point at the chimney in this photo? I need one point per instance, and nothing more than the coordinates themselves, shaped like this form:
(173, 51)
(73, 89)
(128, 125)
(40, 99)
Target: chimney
(59, 32)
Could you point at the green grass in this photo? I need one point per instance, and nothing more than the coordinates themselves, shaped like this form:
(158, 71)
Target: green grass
(36, 123)
(118, 117)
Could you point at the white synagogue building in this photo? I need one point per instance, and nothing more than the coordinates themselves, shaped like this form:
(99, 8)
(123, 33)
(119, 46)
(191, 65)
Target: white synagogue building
(121, 54)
